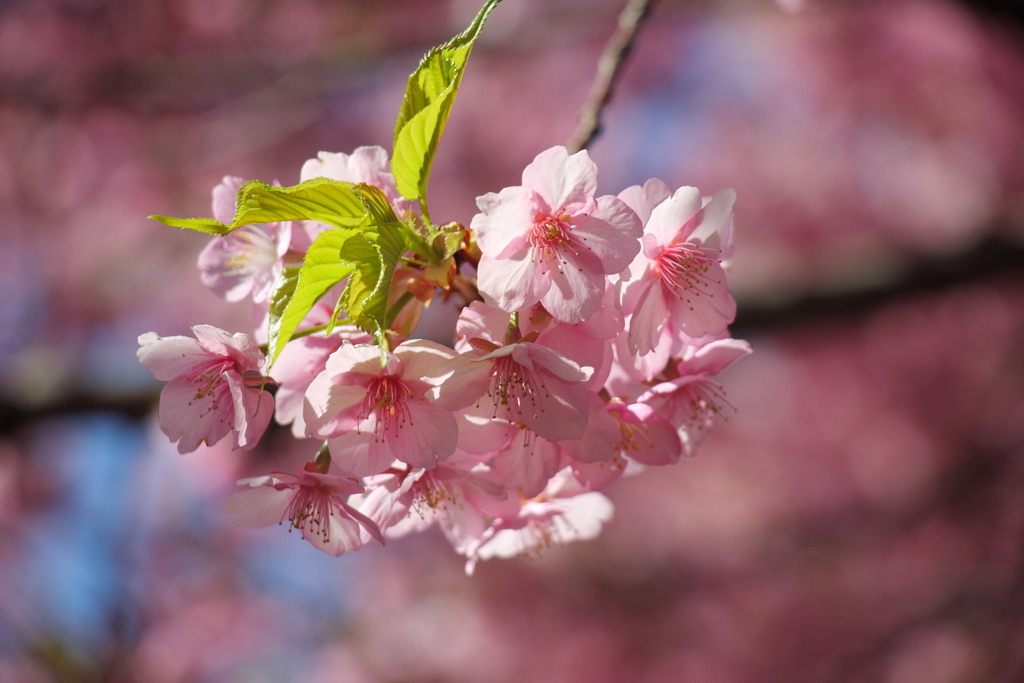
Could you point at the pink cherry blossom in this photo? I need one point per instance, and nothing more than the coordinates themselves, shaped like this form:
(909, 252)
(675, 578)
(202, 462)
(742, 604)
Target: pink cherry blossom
(646, 436)
(522, 383)
(215, 386)
(551, 241)
(454, 495)
(564, 512)
(373, 415)
(690, 401)
(585, 343)
(677, 280)
(312, 502)
(618, 433)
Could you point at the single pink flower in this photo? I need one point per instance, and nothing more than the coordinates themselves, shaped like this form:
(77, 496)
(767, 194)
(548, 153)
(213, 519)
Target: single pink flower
(215, 386)
(645, 436)
(618, 433)
(690, 401)
(677, 280)
(584, 344)
(551, 241)
(404, 501)
(312, 502)
(564, 512)
(523, 383)
(373, 415)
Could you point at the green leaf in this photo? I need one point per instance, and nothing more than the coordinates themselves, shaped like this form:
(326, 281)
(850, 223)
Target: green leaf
(279, 300)
(428, 101)
(207, 225)
(380, 212)
(320, 199)
(322, 269)
(374, 257)
(377, 208)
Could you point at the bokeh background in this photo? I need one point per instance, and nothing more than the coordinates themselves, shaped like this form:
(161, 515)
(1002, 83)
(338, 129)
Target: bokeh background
(860, 518)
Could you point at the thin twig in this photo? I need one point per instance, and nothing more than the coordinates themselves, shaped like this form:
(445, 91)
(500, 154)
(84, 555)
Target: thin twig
(608, 68)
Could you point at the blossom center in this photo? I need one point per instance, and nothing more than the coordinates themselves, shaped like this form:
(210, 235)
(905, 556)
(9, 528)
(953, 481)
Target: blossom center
(207, 379)
(511, 386)
(386, 400)
(683, 268)
(548, 235)
(542, 534)
(633, 437)
(703, 398)
(310, 511)
(430, 493)
(251, 250)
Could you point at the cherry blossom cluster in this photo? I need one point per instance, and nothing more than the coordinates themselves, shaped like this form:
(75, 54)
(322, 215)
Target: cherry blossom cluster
(590, 332)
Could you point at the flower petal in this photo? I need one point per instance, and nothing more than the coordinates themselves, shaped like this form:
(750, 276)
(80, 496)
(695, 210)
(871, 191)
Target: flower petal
(480, 432)
(648, 319)
(527, 464)
(597, 475)
(612, 232)
(368, 524)
(597, 442)
(253, 409)
(330, 408)
(717, 216)
(505, 217)
(225, 194)
(191, 416)
(715, 357)
(358, 359)
(259, 506)
(361, 452)
(422, 361)
(429, 435)
(343, 534)
(706, 310)
(643, 199)
(512, 284)
(575, 293)
(670, 217)
(559, 411)
(170, 357)
(561, 179)
(467, 380)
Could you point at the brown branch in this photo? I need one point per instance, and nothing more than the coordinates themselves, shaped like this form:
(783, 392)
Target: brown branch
(608, 69)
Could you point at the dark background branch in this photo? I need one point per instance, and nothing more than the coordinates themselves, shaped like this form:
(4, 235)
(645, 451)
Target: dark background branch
(608, 69)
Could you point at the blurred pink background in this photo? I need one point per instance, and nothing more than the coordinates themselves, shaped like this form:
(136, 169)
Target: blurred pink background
(859, 518)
